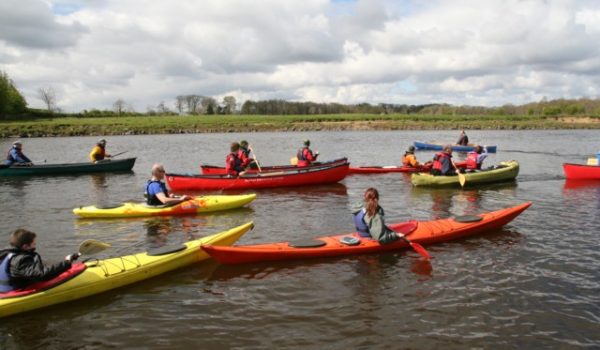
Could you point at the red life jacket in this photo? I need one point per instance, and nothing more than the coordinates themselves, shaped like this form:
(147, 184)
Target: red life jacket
(233, 164)
(472, 160)
(244, 158)
(437, 160)
(305, 157)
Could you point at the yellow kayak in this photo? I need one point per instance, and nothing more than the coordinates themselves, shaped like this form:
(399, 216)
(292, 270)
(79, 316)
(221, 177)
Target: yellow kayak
(202, 204)
(97, 276)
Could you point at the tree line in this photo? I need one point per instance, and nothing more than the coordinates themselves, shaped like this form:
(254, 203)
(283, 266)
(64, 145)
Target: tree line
(12, 103)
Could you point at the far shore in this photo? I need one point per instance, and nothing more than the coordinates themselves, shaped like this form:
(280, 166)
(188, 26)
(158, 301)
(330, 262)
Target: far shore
(141, 125)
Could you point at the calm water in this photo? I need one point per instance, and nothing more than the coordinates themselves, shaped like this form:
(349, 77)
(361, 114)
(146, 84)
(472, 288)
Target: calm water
(535, 284)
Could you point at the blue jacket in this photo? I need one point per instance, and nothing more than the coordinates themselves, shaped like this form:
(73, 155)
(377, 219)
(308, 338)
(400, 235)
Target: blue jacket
(16, 156)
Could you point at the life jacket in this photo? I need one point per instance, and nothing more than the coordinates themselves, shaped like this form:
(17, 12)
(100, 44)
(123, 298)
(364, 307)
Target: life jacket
(300, 154)
(101, 155)
(472, 160)
(9, 157)
(406, 160)
(244, 157)
(152, 199)
(4, 276)
(437, 160)
(359, 222)
(233, 164)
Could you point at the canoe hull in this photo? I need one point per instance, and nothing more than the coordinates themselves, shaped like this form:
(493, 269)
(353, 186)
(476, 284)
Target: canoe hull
(218, 170)
(426, 233)
(457, 148)
(198, 205)
(385, 169)
(508, 173)
(70, 168)
(581, 171)
(107, 274)
(300, 177)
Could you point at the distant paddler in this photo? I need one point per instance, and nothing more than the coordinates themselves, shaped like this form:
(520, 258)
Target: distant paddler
(99, 152)
(16, 157)
(306, 156)
(476, 157)
(442, 163)
(233, 163)
(410, 160)
(156, 190)
(244, 156)
(463, 140)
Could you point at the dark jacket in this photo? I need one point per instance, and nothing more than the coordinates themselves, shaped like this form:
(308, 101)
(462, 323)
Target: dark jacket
(27, 267)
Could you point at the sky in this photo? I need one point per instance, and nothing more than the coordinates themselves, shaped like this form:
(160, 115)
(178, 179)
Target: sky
(478, 53)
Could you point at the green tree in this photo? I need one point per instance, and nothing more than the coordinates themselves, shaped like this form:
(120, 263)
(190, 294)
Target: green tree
(11, 100)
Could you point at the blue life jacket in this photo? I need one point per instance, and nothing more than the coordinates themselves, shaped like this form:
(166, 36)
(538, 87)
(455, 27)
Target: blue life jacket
(4, 276)
(359, 222)
(152, 199)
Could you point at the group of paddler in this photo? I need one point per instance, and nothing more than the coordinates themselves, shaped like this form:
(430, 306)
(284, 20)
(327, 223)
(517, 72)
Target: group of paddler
(21, 266)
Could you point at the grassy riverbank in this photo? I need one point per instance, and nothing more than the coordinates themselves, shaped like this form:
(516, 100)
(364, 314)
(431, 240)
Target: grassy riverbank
(71, 126)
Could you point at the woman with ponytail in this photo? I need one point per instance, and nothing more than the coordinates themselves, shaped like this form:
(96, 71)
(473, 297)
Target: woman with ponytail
(369, 219)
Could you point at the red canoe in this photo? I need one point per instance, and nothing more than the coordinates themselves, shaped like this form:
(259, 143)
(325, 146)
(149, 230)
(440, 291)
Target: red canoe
(395, 169)
(425, 232)
(218, 170)
(581, 171)
(296, 177)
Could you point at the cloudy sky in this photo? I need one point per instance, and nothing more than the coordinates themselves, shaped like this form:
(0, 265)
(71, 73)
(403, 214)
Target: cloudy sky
(93, 52)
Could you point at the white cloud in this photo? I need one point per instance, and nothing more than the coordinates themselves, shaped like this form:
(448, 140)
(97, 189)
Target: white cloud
(462, 52)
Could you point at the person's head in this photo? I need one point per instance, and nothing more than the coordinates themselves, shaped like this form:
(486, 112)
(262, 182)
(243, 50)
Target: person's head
(23, 239)
(448, 149)
(306, 142)
(478, 149)
(101, 143)
(244, 143)
(234, 147)
(158, 171)
(411, 149)
(371, 199)
(17, 145)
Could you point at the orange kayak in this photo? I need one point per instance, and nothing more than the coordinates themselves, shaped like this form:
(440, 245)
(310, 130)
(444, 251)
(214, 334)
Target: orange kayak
(423, 232)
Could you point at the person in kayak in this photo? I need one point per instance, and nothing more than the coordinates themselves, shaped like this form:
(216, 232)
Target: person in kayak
(476, 157)
(98, 153)
(156, 190)
(306, 156)
(442, 163)
(463, 140)
(410, 160)
(233, 163)
(244, 156)
(21, 266)
(369, 219)
(15, 156)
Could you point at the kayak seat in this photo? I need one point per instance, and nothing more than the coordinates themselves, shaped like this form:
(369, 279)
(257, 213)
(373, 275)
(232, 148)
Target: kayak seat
(349, 240)
(467, 218)
(167, 249)
(306, 243)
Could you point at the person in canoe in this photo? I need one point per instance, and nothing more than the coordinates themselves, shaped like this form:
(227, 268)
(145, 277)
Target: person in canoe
(16, 156)
(476, 157)
(21, 266)
(244, 156)
(156, 190)
(98, 153)
(233, 163)
(442, 163)
(306, 156)
(463, 140)
(410, 160)
(369, 219)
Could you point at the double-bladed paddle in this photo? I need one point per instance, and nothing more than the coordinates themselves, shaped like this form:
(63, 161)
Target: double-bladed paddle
(89, 246)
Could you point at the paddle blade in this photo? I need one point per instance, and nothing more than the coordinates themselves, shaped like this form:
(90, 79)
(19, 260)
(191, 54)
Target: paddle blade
(92, 246)
(294, 161)
(419, 249)
(462, 179)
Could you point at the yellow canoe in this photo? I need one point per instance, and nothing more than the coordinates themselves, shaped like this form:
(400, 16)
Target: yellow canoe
(202, 204)
(106, 274)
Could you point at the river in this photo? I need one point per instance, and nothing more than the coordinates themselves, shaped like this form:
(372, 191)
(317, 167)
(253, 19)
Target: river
(534, 284)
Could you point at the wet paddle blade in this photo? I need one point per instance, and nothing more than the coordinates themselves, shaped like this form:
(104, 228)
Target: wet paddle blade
(419, 249)
(462, 179)
(294, 161)
(92, 246)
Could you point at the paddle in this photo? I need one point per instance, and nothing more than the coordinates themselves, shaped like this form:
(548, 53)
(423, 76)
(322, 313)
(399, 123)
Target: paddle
(406, 228)
(294, 161)
(255, 159)
(462, 179)
(90, 246)
(417, 248)
(118, 154)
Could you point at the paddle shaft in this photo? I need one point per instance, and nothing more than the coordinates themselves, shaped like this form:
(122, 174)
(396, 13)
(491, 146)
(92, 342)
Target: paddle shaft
(118, 154)
(255, 159)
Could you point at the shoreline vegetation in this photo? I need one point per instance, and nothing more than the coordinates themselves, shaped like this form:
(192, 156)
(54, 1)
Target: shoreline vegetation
(169, 124)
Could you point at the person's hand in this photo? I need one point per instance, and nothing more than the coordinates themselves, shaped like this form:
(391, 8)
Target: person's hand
(72, 257)
(400, 235)
(317, 153)
(185, 197)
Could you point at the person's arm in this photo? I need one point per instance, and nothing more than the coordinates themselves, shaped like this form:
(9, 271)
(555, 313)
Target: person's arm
(413, 161)
(380, 231)
(171, 200)
(31, 269)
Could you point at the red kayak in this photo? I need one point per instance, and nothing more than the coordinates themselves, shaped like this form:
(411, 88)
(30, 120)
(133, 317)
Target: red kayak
(395, 169)
(218, 170)
(423, 232)
(581, 171)
(296, 177)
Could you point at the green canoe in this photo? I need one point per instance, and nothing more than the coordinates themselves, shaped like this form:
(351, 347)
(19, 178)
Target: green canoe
(69, 168)
(506, 171)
